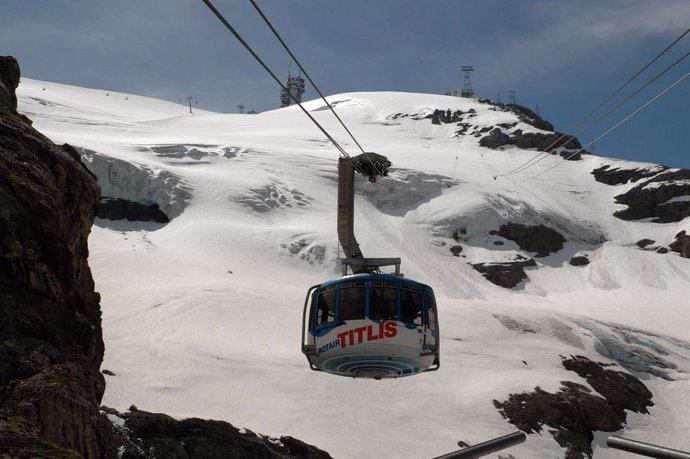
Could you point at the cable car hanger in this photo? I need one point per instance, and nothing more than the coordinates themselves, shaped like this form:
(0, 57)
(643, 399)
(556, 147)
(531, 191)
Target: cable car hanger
(367, 324)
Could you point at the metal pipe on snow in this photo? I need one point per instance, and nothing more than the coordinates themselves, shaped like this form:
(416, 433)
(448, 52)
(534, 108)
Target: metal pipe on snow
(488, 447)
(645, 449)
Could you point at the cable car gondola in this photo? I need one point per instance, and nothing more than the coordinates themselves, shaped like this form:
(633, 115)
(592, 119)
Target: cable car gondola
(371, 326)
(368, 324)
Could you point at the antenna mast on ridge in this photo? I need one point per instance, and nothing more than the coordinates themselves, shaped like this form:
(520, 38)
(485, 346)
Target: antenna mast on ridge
(467, 86)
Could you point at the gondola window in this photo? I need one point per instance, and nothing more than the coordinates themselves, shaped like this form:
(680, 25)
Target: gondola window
(431, 314)
(353, 299)
(383, 302)
(326, 306)
(411, 304)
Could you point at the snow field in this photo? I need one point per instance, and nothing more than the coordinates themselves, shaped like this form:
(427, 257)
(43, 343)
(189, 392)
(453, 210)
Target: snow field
(202, 316)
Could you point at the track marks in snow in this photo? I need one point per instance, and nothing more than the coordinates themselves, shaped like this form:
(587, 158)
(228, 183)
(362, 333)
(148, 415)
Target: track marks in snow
(139, 240)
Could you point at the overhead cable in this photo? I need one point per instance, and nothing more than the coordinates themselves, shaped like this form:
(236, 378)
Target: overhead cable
(529, 162)
(605, 115)
(261, 62)
(613, 127)
(641, 88)
(304, 71)
(632, 78)
(316, 88)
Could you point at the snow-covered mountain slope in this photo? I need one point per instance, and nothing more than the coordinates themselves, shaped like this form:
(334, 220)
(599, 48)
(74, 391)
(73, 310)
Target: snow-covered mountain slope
(202, 315)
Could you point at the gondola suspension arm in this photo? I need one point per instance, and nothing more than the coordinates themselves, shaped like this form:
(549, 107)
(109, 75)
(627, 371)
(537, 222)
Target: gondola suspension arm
(371, 165)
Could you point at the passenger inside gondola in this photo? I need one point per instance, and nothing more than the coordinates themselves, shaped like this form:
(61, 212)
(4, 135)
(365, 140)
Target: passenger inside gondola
(411, 305)
(431, 314)
(353, 301)
(326, 308)
(383, 301)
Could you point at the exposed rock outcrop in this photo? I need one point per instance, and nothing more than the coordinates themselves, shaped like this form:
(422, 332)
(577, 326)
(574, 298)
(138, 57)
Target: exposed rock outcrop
(537, 140)
(681, 244)
(618, 176)
(643, 243)
(456, 250)
(579, 260)
(50, 321)
(9, 80)
(448, 116)
(532, 238)
(526, 115)
(574, 413)
(145, 435)
(496, 139)
(663, 198)
(508, 274)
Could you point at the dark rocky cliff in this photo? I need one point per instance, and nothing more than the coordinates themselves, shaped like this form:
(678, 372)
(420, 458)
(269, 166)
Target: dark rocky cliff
(51, 343)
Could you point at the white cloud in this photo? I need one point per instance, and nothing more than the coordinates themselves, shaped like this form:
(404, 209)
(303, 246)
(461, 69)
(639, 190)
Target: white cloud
(567, 34)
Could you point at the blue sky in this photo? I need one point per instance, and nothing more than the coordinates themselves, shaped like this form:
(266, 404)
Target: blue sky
(564, 56)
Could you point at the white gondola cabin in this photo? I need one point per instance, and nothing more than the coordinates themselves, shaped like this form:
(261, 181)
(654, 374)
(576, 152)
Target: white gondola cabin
(371, 326)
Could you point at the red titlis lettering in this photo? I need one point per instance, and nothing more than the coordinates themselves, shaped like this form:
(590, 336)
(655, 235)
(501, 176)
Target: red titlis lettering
(368, 333)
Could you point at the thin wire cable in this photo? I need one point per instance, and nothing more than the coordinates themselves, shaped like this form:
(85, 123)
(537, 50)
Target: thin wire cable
(605, 115)
(641, 88)
(605, 100)
(316, 88)
(304, 71)
(261, 62)
(614, 127)
(526, 164)
(342, 151)
(635, 76)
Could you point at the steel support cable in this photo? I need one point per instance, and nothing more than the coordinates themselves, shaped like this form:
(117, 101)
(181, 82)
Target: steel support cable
(220, 16)
(576, 125)
(304, 71)
(526, 164)
(316, 88)
(261, 62)
(641, 88)
(612, 128)
(635, 76)
(605, 115)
